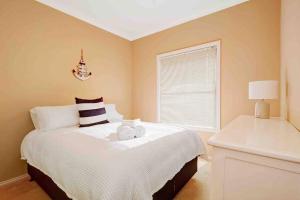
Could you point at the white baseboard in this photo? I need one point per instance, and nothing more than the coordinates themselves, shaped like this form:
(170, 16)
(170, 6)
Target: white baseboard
(13, 180)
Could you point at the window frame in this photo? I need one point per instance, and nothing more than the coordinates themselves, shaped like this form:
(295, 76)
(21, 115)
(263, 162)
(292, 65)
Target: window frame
(218, 82)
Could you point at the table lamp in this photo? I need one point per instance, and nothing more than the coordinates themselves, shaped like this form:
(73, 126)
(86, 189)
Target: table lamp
(261, 90)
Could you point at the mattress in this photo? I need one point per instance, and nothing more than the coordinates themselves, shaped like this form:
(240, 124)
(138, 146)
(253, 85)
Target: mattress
(91, 163)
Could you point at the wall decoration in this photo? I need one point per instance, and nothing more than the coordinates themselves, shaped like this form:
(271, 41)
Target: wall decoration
(81, 71)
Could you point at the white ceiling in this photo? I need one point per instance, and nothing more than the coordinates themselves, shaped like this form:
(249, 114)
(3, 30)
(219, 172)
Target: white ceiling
(133, 19)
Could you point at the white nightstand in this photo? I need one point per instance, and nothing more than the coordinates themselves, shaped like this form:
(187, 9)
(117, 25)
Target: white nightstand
(256, 159)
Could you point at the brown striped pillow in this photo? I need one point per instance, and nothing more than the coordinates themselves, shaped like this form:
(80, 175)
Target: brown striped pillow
(91, 112)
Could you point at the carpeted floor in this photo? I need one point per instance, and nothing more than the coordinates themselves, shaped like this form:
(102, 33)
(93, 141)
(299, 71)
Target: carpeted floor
(196, 188)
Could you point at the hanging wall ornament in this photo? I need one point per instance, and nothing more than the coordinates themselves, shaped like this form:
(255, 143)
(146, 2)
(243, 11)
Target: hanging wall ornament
(81, 71)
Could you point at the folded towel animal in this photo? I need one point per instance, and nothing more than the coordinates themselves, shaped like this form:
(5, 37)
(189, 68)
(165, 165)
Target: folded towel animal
(127, 132)
(132, 123)
(139, 131)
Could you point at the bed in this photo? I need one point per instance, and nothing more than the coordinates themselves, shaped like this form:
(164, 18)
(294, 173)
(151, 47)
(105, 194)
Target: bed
(91, 163)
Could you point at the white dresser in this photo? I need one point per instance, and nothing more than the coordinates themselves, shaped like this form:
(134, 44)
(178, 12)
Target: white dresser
(256, 159)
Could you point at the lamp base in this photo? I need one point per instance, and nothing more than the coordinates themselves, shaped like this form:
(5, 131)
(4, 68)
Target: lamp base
(262, 110)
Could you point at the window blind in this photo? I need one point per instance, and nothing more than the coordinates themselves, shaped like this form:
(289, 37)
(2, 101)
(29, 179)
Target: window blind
(187, 88)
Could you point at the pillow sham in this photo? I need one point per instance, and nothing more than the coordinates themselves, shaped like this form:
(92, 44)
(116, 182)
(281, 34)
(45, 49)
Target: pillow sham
(53, 117)
(91, 112)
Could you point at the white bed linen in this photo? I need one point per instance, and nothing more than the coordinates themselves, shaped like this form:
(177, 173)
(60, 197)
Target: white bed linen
(90, 163)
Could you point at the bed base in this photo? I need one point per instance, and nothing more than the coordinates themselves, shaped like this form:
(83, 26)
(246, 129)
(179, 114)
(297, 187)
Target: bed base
(168, 191)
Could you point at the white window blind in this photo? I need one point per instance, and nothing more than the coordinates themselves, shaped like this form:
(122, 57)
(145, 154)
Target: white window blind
(188, 87)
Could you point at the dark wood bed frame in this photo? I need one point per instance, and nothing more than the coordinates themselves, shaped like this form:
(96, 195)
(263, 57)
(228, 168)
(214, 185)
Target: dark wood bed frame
(168, 191)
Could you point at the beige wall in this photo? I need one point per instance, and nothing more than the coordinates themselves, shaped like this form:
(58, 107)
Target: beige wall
(39, 46)
(290, 56)
(250, 39)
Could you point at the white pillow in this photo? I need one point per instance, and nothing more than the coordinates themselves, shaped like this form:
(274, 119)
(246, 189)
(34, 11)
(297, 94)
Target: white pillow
(34, 118)
(53, 117)
(112, 114)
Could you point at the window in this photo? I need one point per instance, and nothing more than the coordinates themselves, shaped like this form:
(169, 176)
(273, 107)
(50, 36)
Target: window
(189, 87)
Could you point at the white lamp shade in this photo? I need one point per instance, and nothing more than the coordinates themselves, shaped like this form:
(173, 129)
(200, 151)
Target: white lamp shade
(263, 89)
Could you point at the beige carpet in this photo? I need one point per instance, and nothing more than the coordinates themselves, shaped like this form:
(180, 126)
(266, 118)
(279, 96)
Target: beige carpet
(196, 188)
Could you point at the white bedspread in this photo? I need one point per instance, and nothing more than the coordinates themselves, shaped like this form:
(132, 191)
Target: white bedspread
(90, 163)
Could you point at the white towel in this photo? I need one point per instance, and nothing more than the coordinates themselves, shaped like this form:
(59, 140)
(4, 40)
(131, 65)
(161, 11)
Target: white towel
(139, 131)
(132, 123)
(127, 132)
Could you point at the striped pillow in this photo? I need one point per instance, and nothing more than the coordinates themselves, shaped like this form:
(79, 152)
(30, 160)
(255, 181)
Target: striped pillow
(91, 112)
